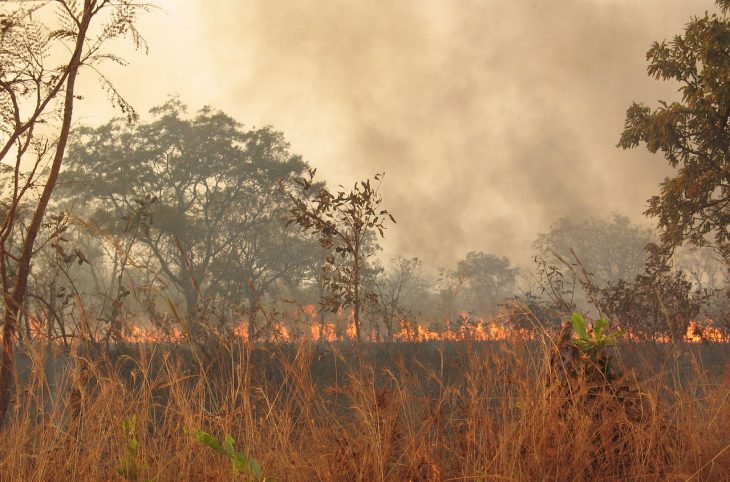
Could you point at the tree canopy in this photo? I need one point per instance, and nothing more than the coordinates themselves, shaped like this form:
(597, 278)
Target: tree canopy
(693, 134)
(610, 249)
(479, 283)
(202, 189)
(42, 53)
(347, 224)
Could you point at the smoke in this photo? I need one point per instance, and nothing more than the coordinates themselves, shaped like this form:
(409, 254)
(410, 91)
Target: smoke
(491, 118)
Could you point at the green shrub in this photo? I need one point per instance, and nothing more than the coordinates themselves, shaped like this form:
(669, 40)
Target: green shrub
(241, 462)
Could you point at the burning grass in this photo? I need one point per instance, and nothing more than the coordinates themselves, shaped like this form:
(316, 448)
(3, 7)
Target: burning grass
(420, 412)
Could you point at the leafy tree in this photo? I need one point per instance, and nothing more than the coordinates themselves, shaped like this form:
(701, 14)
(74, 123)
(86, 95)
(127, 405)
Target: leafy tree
(693, 134)
(344, 222)
(41, 56)
(264, 255)
(710, 276)
(479, 283)
(448, 302)
(658, 302)
(530, 313)
(202, 190)
(487, 279)
(706, 268)
(610, 249)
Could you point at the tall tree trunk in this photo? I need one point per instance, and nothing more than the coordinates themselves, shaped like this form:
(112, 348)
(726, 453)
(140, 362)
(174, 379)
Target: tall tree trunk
(320, 312)
(356, 293)
(322, 323)
(388, 322)
(14, 296)
(193, 315)
(356, 317)
(253, 309)
(191, 303)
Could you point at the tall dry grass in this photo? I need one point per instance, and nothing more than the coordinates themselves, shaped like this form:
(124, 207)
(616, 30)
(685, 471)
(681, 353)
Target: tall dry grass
(476, 412)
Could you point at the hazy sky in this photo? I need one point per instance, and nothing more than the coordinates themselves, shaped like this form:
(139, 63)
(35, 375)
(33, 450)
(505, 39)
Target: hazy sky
(490, 118)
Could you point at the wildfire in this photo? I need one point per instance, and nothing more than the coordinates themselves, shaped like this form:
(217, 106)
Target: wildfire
(469, 328)
(137, 334)
(327, 333)
(704, 332)
(476, 329)
(314, 328)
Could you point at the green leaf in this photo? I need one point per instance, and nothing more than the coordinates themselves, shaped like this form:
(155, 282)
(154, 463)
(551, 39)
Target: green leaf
(208, 440)
(255, 468)
(583, 345)
(133, 445)
(228, 443)
(128, 425)
(241, 463)
(579, 325)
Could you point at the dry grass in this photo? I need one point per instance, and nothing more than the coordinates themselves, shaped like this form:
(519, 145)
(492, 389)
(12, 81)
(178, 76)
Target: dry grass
(485, 415)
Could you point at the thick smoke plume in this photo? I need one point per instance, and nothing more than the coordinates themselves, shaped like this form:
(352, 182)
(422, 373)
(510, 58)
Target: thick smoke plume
(491, 118)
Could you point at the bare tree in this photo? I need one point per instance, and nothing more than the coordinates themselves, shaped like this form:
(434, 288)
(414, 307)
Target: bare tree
(37, 103)
(393, 285)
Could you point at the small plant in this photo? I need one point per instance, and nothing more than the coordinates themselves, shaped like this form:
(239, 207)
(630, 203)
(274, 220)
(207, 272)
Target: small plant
(593, 343)
(241, 462)
(129, 466)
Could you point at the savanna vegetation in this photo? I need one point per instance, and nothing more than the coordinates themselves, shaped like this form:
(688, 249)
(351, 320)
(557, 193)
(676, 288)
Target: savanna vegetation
(186, 299)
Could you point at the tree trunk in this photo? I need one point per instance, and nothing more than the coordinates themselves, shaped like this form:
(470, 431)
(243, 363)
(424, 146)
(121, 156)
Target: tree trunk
(322, 323)
(191, 303)
(14, 299)
(356, 292)
(193, 317)
(253, 308)
(388, 322)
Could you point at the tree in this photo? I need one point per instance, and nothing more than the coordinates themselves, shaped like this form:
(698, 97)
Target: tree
(610, 249)
(393, 285)
(37, 102)
(477, 286)
(265, 253)
(658, 302)
(487, 279)
(204, 192)
(710, 276)
(343, 221)
(704, 266)
(692, 134)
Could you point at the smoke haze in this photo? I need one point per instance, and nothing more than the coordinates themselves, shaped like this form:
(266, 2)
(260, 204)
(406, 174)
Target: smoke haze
(491, 118)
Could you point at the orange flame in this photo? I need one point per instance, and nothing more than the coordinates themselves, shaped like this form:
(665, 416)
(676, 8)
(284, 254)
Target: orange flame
(137, 334)
(466, 327)
(704, 332)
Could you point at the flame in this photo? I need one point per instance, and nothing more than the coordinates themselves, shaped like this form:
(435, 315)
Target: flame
(317, 330)
(704, 332)
(241, 331)
(137, 334)
(469, 328)
(275, 332)
(463, 327)
(351, 332)
(327, 334)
